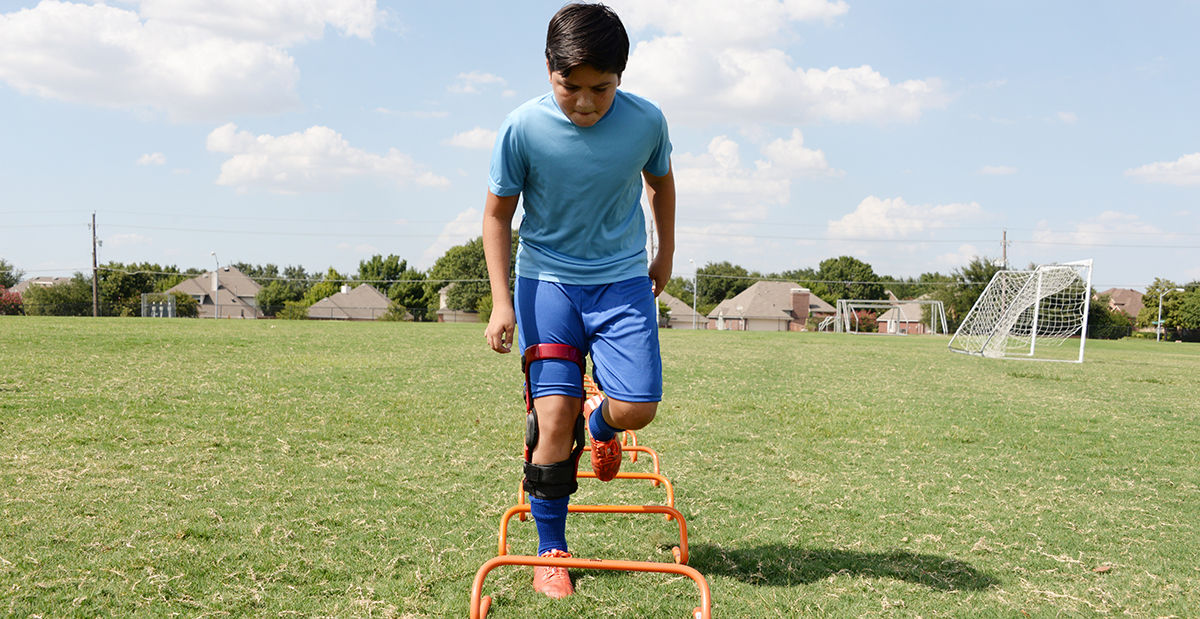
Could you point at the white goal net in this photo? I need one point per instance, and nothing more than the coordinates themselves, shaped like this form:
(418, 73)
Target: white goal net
(1029, 314)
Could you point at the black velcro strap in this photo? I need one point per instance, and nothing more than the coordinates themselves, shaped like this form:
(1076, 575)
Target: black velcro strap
(551, 481)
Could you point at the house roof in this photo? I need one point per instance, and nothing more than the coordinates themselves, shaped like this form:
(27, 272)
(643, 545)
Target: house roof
(363, 303)
(678, 309)
(766, 299)
(230, 280)
(906, 312)
(39, 281)
(1124, 299)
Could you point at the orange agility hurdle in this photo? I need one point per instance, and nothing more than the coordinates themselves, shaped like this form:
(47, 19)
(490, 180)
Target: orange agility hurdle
(653, 477)
(680, 552)
(480, 604)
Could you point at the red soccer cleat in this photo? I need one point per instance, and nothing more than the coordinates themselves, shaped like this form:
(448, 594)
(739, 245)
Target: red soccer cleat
(553, 582)
(606, 458)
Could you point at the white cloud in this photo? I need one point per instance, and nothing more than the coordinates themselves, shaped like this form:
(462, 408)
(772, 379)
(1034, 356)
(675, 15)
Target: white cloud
(1185, 171)
(361, 250)
(470, 83)
(893, 218)
(724, 21)
(713, 62)
(189, 59)
(1068, 117)
(477, 139)
(717, 179)
(384, 110)
(126, 239)
(956, 259)
(1104, 229)
(152, 159)
(317, 159)
(467, 226)
(999, 170)
(278, 22)
(791, 159)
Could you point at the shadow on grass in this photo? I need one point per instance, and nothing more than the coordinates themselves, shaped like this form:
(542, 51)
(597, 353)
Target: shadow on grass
(780, 566)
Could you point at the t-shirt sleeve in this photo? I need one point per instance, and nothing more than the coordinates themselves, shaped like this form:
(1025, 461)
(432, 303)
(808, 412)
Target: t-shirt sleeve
(509, 166)
(659, 162)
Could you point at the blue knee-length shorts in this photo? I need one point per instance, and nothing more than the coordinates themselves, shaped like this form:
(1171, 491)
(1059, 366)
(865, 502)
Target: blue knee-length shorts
(617, 324)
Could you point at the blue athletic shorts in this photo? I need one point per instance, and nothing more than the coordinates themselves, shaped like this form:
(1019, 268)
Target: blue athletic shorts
(617, 324)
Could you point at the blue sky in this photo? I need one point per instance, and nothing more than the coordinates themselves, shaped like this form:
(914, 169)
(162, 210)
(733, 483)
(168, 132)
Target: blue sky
(321, 132)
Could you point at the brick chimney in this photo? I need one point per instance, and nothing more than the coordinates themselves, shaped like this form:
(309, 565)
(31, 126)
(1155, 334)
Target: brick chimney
(800, 305)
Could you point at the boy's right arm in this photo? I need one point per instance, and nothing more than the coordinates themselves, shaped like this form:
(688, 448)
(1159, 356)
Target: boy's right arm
(498, 214)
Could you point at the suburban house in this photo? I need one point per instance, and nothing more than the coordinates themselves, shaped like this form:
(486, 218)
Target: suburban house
(680, 315)
(39, 281)
(769, 306)
(1124, 299)
(445, 314)
(362, 303)
(230, 287)
(903, 317)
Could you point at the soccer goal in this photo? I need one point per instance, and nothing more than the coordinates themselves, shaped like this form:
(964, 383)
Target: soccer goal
(1029, 314)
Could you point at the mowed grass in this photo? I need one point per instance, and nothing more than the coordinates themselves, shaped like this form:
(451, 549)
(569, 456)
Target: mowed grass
(162, 468)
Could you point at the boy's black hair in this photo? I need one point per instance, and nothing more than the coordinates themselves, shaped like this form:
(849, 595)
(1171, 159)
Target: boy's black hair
(590, 34)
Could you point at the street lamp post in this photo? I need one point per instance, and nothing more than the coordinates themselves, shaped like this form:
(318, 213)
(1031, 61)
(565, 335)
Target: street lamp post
(695, 295)
(216, 286)
(1158, 331)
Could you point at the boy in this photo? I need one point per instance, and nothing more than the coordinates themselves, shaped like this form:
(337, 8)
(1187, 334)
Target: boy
(579, 156)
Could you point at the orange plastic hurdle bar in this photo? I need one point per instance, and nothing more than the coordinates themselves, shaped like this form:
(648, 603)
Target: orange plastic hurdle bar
(654, 477)
(480, 604)
(680, 552)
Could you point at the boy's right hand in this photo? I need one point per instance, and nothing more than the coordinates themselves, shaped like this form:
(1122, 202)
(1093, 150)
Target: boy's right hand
(501, 329)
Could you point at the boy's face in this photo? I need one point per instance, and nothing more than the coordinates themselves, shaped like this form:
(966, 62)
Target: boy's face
(586, 95)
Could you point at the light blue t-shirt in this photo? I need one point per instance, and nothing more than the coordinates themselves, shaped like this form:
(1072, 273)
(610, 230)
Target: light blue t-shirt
(581, 186)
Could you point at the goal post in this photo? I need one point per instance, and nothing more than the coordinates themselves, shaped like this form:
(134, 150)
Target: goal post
(1029, 314)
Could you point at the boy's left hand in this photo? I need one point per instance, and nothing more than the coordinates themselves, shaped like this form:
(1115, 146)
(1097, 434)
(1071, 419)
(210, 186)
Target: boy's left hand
(660, 272)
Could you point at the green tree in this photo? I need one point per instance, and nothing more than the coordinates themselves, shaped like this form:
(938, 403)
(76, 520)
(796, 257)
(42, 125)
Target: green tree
(272, 297)
(409, 293)
(381, 272)
(680, 288)
(465, 267)
(719, 281)
(1105, 323)
(1170, 303)
(969, 283)
(70, 298)
(9, 275)
(394, 278)
(329, 285)
(806, 277)
(846, 277)
(1188, 311)
(185, 305)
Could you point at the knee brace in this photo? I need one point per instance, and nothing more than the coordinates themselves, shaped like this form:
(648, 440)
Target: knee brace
(551, 481)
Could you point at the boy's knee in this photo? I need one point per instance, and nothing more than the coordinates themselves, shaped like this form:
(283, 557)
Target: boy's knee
(631, 415)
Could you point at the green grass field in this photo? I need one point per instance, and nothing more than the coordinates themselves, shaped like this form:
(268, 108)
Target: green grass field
(163, 468)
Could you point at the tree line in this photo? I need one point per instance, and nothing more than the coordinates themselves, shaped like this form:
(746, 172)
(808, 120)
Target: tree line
(287, 292)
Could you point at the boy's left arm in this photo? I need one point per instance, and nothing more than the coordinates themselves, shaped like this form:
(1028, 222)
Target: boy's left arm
(660, 191)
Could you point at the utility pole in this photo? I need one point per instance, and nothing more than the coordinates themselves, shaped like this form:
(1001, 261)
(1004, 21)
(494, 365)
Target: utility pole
(1004, 248)
(95, 273)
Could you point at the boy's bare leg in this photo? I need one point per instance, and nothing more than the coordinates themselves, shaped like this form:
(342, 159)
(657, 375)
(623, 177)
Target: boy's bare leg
(629, 415)
(556, 428)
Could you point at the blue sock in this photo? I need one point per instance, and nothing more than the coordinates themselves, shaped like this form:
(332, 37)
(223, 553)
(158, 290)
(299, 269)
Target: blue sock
(599, 428)
(551, 520)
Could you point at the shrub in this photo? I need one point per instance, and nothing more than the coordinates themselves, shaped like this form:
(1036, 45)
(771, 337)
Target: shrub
(293, 310)
(10, 303)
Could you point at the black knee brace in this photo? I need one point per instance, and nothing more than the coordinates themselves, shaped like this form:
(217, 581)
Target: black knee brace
(551, 481)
